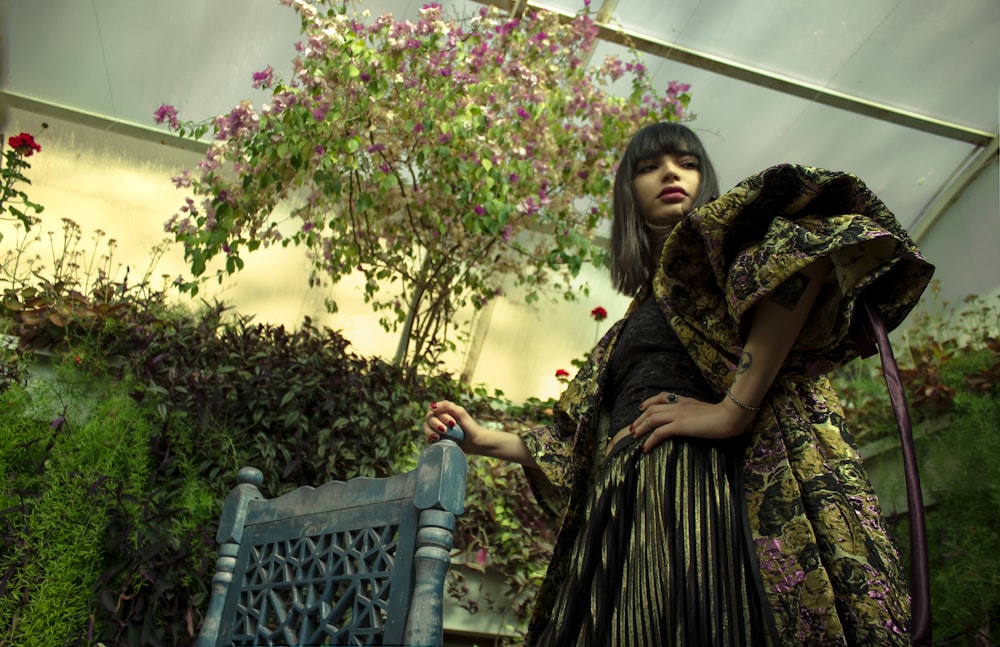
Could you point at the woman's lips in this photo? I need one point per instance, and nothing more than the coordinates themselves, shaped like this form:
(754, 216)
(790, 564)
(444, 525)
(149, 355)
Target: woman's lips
(672, 194)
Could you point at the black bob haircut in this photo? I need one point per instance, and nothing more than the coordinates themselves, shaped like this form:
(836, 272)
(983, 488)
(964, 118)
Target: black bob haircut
(631, 250)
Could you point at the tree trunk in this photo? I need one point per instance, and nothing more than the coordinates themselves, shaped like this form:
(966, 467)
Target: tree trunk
(411, 314)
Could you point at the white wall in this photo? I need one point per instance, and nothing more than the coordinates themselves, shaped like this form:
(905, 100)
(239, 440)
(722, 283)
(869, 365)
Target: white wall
(965, 242)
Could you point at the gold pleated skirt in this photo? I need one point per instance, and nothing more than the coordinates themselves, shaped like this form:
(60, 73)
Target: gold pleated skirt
(665, 556)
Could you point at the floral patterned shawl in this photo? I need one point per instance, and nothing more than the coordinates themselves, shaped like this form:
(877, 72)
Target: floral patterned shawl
(829, 569)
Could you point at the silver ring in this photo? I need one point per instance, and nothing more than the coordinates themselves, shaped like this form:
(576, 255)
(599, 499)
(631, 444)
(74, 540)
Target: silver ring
(671, 398)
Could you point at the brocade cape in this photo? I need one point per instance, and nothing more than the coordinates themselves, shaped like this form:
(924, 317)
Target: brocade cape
(830, 571)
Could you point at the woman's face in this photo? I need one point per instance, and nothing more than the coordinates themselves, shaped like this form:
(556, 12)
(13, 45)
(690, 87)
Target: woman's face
(665, 188)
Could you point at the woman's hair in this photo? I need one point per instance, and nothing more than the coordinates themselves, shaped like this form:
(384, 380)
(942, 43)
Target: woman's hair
(631, 248)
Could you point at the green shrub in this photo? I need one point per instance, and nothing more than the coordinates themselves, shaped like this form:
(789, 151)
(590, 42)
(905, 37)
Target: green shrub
(950, 366)
(54, 515)
(963, 526)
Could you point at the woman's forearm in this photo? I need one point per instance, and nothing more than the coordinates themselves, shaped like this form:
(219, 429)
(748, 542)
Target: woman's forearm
(503, 445)
(776, 323)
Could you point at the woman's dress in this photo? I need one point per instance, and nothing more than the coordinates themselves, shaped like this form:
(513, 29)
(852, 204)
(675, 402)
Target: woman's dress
(665, 555)
(788, 518)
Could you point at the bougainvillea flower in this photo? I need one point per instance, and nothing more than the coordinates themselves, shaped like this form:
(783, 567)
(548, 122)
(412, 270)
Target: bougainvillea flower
(168, 114)
(264, 78)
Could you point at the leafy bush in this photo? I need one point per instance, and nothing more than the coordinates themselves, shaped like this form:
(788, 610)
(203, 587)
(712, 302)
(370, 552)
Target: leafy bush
(217, 393)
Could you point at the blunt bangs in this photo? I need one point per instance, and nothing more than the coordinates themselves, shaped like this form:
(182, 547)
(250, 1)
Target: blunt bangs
(663, 138)
(631, 257)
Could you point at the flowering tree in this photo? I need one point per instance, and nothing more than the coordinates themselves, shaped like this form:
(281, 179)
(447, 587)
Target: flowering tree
(436, 157)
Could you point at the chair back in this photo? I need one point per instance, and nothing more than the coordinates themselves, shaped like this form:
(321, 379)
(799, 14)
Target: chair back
(361, 562)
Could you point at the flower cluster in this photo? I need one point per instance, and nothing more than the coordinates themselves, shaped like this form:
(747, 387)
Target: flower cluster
(429, 153)
(167, 114)
(24, 144)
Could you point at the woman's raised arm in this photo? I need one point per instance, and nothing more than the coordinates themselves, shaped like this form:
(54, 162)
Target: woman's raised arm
(478, 439)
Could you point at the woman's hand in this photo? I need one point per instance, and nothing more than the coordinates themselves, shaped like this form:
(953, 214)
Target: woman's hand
(478, 439)
(668, 414)
(444, 414)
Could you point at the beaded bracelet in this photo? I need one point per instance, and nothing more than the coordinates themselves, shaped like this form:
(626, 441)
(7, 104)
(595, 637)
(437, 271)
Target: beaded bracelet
(742, 405)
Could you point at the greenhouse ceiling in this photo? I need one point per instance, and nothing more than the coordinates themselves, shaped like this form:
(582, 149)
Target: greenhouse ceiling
(902, 92)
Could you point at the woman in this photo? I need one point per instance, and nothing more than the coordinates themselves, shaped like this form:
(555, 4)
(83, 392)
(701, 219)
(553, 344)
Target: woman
(708, 489)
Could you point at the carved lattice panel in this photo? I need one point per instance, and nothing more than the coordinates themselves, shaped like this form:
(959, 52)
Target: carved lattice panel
(323, 589)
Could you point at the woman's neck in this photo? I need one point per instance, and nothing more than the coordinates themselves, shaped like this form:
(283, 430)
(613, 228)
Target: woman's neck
(657, 237)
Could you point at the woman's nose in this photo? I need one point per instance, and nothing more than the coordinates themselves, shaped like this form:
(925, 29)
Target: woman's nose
(671, 170)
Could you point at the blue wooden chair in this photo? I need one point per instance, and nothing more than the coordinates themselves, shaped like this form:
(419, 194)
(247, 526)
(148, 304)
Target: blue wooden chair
(361, 562)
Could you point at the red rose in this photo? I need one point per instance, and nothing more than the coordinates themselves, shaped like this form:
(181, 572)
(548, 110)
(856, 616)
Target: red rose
(24, 144)
(562, 374)
(599, 313)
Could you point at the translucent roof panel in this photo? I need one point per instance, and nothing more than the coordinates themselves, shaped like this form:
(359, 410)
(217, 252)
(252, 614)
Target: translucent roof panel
(762, 74)
(936, 58)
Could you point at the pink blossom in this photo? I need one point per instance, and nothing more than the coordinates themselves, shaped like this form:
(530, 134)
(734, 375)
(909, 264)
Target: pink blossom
(241, 121)
(264, 78)
(183, 180)
(674, 88)
(166, 113)
(507, 27)
(613, 67)
(282, 101)
(528, 206)
(431, 10)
